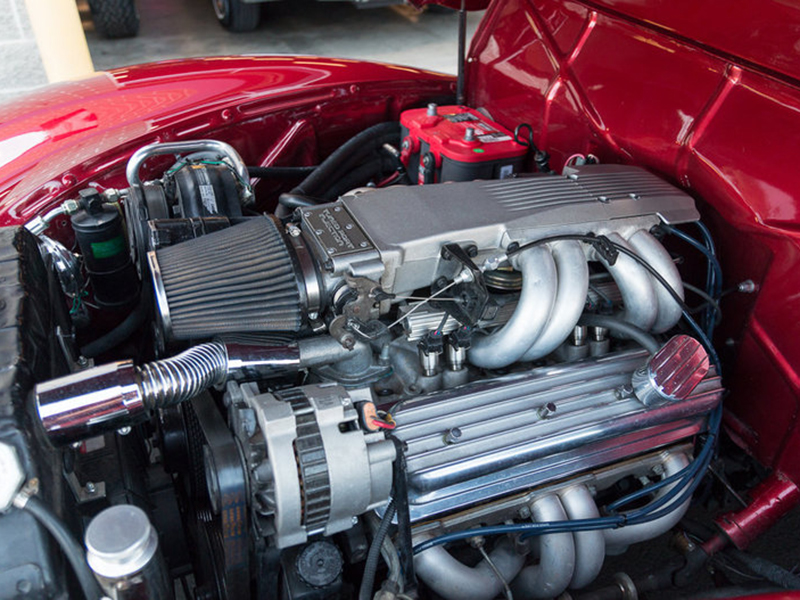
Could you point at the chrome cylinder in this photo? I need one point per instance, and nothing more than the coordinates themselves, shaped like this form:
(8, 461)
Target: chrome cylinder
(91, 402)
(122, 551)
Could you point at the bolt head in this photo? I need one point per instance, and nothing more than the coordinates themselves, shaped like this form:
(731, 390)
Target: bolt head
(547, 410)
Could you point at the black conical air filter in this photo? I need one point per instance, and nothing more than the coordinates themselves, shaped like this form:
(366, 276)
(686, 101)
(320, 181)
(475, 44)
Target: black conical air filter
(240, 279)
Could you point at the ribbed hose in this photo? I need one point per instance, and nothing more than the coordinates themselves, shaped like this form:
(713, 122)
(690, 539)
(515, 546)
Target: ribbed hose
(182, 377)
(371, 566)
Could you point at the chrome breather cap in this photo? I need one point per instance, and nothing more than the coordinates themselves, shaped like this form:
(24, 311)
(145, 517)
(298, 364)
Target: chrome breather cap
(672, 373)
(120, 541)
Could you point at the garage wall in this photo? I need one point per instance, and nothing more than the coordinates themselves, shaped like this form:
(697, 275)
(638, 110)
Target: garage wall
(21, 69)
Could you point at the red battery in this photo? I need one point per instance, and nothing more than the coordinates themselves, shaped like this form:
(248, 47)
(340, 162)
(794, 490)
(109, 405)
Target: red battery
(457, 143)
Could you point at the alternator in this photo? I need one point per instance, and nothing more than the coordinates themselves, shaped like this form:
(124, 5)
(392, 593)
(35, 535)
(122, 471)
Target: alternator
(312, 467)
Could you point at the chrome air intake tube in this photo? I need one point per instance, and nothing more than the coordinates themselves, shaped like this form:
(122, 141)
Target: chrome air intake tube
(120, 394)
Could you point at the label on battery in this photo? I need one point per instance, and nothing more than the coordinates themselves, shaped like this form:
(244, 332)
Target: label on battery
(461, 118)
(493, 136)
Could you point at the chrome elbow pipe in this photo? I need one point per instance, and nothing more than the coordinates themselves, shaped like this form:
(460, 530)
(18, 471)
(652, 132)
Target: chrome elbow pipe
(505, 346)
(556, 566)
(573, 284)
(453, 580)
(651, 250)
(618, 540)
(565, 560)
(590, 546)
(635, 285)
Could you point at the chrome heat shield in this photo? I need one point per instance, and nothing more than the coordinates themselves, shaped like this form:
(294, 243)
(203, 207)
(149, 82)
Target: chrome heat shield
(542, 426)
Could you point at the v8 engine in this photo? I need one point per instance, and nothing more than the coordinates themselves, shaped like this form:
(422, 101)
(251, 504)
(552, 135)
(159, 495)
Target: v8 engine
(401, 370)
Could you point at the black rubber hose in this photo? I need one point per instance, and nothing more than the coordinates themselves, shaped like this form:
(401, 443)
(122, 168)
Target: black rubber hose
(766, 569)
(124, 330)
(72, 550)
(346, 155)
(640, 336)
(404, 541)
(280, 172)
(358, 177)
(371, 566)
(293, 201)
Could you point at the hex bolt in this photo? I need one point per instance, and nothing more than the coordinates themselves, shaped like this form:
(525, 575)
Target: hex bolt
(548, 410)
(524, 512)
(624, 391)
(124, 430)
(747, 286)
(452, 436)
(90, 487)
(476, 542)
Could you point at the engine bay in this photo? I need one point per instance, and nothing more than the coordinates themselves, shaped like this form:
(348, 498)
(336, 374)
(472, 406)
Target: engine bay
(424, 374)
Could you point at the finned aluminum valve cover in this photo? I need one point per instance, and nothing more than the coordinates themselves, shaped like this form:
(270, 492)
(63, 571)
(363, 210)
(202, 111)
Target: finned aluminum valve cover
(488, 439)
(402, 229)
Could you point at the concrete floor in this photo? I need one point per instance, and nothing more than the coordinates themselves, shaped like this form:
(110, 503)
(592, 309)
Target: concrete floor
(186, 28)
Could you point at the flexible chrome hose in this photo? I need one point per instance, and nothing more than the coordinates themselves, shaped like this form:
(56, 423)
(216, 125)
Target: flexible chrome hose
(181, 377)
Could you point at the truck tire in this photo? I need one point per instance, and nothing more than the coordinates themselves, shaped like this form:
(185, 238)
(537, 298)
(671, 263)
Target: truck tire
(115, 18)
(237, 16)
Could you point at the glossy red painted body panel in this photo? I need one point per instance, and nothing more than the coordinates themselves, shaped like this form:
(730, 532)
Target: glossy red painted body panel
(272, 109)
(632, 88)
